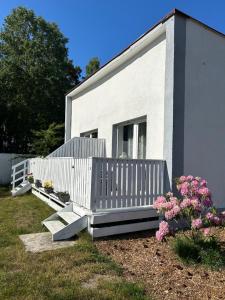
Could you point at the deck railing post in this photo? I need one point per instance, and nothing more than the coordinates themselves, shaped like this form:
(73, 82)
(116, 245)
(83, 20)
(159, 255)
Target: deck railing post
(13, 176)
(24, 170)
(92, 185)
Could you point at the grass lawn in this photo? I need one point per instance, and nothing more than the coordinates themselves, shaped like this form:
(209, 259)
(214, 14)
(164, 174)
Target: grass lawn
(57, 274)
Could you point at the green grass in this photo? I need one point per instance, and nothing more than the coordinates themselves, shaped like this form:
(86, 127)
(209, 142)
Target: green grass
(199, 251)
(55, 275)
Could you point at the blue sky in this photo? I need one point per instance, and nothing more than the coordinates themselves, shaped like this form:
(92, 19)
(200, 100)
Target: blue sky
(104, 27)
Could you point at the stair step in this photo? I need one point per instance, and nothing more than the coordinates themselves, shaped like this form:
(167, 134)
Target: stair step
(69, 217)
(54, 226)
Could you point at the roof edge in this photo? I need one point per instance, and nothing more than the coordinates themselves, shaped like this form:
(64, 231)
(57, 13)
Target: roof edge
(175, 11)
(164, 19)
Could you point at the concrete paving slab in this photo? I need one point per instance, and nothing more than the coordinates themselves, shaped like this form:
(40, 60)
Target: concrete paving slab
(39, 242)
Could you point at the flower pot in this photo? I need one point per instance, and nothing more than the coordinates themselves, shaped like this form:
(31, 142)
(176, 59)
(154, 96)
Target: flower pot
(38, 183)
(63, 197)
(48, 190)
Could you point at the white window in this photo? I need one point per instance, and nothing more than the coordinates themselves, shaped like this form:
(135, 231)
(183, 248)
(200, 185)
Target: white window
(90, 134)
(131, 139)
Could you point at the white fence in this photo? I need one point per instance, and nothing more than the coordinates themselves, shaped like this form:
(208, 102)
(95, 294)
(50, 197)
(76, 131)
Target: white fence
(81, 147)
(119, 183)
(67, 174)
(103, 183)
(7, 160)
(20, 172)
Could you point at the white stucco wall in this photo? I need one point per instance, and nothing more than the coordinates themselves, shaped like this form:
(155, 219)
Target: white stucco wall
(136, 89)
(204, 119)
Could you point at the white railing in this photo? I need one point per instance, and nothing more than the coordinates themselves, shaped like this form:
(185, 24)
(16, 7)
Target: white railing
(19, 172)
(103, 183)
(81, 147)
(67, 174)
(120, 183)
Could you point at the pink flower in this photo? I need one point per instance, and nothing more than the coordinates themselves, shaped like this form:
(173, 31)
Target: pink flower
(159, 235)
(176, 210)
(185, 203)
(216, 220)
(169, 214)
(195, 183)
(204, 191)
(164, 227)
(203, 183)
(167, 205)
(209, 216)
(184, 188)
(184, 191)
(182, 179)
(163, 231)
(190, 177)
(205, 231)
(174, 200)
(196, 204)
(196, 223)
(172, 213)
(159, 202)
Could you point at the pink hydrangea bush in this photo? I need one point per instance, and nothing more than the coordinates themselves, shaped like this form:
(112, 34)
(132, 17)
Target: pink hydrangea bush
(195, 207)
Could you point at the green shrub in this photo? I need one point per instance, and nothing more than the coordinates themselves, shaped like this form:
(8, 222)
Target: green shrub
(186, 249)
(199, 251)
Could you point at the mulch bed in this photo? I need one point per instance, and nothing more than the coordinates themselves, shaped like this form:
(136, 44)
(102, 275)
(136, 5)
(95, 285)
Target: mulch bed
(156, 266)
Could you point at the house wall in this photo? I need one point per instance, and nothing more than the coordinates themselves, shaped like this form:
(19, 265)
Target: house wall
(204, 108)
(133, 90)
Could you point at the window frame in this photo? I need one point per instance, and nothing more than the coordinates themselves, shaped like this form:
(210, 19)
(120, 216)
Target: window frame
(89, 134)
(115, 138)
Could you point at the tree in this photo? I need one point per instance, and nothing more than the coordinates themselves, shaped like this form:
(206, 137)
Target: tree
(46, 141)
(35, 73)
(92, 66)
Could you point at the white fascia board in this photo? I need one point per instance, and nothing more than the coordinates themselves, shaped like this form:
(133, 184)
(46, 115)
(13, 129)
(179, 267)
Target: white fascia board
(121, 59)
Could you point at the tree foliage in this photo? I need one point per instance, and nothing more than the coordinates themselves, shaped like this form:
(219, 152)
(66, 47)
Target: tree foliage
(92, 66)
(46, 141)
(35, 73)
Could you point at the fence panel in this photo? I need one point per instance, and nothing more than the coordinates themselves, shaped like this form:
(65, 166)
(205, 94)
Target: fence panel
(81, 147)
(123, 183)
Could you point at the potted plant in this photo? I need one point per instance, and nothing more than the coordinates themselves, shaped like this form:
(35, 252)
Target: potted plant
(30, 178)
(63, 196)
(48, 186)
(38, 183)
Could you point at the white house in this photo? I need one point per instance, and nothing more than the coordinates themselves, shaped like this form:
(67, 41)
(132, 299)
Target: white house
(152, 113)
(163, 97)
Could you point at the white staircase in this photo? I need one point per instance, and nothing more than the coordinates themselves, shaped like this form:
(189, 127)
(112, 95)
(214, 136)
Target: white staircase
(20, 185)
(21, 189)
(66, 223)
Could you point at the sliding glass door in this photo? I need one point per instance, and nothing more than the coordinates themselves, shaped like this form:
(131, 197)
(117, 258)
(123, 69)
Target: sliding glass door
(131, 140)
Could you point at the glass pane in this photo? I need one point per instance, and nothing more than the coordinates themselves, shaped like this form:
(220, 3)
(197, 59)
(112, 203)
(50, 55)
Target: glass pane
(142, 140)
(94, 134)
(128, 141)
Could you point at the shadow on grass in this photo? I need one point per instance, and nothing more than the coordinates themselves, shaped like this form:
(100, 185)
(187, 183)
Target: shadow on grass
(4, 191)
(208, 252)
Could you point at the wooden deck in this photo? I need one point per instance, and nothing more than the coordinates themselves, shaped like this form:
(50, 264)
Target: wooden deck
(114, 195)
(103, 183)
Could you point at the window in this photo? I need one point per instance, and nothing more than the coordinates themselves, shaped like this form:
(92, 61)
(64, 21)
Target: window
(142, 140)
(131, 139)
(90, 134)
